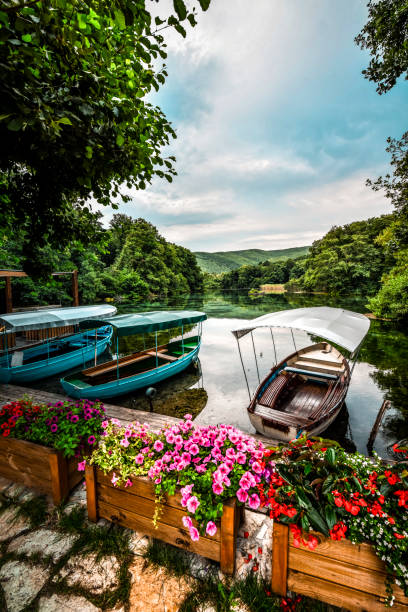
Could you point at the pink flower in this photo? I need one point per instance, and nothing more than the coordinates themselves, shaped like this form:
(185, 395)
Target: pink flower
(170, 437)
(128, 483)
(194, 535)
(257, 467)
(230, 454)
(187, 489)
(254, 501)
(115, 422)
(139, 459)
(81, 465)
(194, 450)
(192, 504)
(158, 446)
(114, 479)
(242, 495)
(105, 424)
(124, 442)
(211, 528)
(217, 488)
(188, 417)
(187, 522)
(200, 469)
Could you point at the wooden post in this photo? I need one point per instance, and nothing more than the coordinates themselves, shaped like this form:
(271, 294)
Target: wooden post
(59, 477)
(280, 549)
(75, 294)
(228, 537)
(90, 480)
(9, 296)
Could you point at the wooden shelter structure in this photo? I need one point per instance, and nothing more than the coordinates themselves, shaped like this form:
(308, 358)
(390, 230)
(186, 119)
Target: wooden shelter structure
(7, 275)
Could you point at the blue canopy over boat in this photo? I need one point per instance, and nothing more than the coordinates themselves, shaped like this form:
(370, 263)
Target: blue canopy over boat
(145, 322)
(53, 317)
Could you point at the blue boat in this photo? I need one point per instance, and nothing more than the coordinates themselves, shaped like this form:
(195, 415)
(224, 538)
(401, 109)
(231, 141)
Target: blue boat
(143, 368)
(31, 363)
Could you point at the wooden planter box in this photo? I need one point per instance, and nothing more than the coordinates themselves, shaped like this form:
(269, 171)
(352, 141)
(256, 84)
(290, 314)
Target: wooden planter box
(340, 573)
(40, 467)
(134, 507)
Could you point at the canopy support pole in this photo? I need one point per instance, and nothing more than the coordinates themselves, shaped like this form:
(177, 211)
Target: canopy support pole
(243, 368)
(117, 356)
(355, 355)
(274, 347)
(256, 360)
(96, 337)
(157, 360)
(293, 338)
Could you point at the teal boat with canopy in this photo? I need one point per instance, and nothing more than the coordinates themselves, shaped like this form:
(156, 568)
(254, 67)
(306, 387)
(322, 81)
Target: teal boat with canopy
(171, 341)
(54, 354)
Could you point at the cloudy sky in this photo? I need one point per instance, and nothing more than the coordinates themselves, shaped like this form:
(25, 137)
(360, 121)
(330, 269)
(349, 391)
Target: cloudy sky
(277, 128)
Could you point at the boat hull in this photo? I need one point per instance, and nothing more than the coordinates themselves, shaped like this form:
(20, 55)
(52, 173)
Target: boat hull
(130, 383)
(54, 365)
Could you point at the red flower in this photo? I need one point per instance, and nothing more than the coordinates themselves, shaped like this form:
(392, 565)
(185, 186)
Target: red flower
(246, 534)
(399, 536)
(259, 550)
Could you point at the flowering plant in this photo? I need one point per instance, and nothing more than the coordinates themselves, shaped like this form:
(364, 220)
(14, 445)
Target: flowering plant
(208, 465)
(125, 450)
(68, 426)
(315, 484)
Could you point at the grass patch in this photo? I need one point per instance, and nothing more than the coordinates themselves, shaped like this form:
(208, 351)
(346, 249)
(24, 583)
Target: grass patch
(252, 591)
(164, 555)
(34, 510)
(75, 521)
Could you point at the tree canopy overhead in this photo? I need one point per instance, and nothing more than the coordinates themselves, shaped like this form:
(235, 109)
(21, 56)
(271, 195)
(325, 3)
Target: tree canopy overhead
(74, 119)
(385, 36)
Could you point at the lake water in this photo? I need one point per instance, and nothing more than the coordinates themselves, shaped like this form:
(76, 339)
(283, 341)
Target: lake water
(216, 388)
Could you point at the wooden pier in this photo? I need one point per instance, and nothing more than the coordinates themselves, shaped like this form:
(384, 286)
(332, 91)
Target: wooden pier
(12, 393)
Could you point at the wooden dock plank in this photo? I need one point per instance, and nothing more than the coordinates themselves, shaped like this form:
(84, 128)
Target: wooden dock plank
(9, 393)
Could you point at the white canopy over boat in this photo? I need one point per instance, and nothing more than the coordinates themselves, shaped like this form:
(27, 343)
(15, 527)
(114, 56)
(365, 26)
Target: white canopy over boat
(53, 317)
(343, 327)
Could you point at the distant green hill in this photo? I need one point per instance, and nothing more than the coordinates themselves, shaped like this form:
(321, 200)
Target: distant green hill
(224, 261)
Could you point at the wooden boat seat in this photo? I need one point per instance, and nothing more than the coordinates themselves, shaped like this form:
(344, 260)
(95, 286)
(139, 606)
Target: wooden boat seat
(272, 391)
(283, 418)
(161, 355)
(318, 367)
(311, 373)
(112, 366)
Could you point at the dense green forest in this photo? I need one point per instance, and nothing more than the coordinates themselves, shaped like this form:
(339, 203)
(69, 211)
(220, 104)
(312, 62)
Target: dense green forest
(132, 262)
(224, 261)
(363, 257)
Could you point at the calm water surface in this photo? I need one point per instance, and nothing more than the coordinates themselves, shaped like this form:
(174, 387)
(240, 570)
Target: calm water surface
(216, 388)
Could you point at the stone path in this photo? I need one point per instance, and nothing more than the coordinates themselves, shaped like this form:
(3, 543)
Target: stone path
(59, 565)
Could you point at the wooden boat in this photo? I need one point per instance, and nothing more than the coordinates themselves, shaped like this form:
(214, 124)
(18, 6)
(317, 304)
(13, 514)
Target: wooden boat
(143, 368)
(305, 391)
(54, 356)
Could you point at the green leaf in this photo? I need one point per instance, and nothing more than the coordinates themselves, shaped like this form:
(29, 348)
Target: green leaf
(26, 38)
(305, 523)
(180, 9)
(89, 152)
(15, 124)
(204, 4)
(302, 498)
(119, 140)
(120, 19)
(192, 20)
(65, 121)
(328, 484)
(317, 521)
(179, 28)
(358, 484)
(330, 515)
(307, 468)
(286, 475)
(330, 456)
